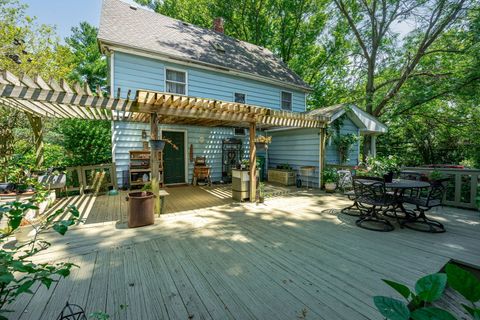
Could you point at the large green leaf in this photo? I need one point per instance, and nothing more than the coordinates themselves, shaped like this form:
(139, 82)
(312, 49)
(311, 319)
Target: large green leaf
(431, 313)
(400, 288)
(392, 309)
(431, 287)
(464, 282)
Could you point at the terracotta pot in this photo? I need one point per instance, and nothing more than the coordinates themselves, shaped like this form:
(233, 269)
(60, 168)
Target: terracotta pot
(330, 186)
(141, 209)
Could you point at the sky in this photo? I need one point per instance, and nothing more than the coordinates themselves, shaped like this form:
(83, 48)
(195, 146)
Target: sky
(65, 14)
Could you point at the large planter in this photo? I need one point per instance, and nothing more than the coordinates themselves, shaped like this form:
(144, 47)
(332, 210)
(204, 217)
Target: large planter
(284, 177)
(330, 186)
(157, 145)
(141, 209)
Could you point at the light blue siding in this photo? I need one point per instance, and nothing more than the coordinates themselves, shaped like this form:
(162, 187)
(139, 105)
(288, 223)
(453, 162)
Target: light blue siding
(332, 155)
(128, 136)
(135, 72)
(298, 148)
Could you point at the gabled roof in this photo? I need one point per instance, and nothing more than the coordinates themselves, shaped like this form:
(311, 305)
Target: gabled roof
(136, 28)
(367, 123)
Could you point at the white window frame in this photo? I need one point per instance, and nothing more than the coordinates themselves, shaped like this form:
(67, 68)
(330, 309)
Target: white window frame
(281, 100)
(177, 70)
(240, 93)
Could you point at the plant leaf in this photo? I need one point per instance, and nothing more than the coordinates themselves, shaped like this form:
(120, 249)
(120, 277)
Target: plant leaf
(400, 288)
(432, 313)
(392, 309)
(60, 228)
(464, 282)
(431, 287)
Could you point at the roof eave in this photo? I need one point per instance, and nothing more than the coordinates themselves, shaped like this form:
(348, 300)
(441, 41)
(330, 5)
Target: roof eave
(105, 43)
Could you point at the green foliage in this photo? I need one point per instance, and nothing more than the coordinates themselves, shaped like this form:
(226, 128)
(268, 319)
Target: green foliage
(436, 175)
(89, 64)
(378, 166)
(86, 142)
(344, 143)
(330, 175)
(18, 274)
(429, 289)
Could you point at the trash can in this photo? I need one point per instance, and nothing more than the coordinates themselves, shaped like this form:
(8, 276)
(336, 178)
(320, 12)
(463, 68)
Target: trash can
(140, 209)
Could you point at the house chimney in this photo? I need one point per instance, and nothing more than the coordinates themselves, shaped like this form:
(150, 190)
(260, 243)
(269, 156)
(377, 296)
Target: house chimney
(218, 24)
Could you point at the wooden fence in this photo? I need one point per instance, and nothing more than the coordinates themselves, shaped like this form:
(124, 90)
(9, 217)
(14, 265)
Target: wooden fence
(463, 189)
(93, 178)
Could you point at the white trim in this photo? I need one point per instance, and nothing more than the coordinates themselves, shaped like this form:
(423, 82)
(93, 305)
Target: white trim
(305, 101)
(165, 68)
(196, 64)
(281, 100)
(235, 92)
(112, 91)
(185, 142)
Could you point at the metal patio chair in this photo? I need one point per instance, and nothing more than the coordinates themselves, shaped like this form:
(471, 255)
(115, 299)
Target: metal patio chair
(433, 199)
(345, 183)
(372, 199)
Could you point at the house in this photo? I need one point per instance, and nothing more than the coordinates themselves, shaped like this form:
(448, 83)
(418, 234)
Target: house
(149, 51)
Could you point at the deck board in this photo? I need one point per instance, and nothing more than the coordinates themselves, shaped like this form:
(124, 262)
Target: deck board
(292, 257)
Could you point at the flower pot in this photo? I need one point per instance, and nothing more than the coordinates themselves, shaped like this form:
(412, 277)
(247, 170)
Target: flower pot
(261, 199)
(157, 145)
(330, 186)
(261, 146)
(25, 233)
(388, 177)
(140, 209)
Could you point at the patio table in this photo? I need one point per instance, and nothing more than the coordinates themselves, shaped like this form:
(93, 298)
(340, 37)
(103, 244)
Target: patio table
(399, 186)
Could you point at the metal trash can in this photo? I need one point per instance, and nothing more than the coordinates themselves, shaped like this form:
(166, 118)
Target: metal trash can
(141, 209)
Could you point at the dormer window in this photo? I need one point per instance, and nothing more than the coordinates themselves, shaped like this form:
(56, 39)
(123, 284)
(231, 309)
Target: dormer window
(176, 81)
(218, 47)
(286, 100)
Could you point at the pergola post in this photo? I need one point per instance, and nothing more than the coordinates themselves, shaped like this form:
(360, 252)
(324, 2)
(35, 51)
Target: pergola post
(37, 128)
(253, 164)
(323, 139)
(154, 162)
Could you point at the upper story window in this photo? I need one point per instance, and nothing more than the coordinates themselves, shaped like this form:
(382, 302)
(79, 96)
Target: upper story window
(239, 97)
(175, 81)
(286, 100)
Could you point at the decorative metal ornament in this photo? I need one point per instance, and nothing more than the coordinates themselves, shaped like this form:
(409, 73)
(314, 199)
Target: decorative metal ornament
(72, 312)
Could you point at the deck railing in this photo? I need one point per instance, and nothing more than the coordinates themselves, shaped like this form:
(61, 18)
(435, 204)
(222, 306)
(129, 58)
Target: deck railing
(91, 178)
(463, 188)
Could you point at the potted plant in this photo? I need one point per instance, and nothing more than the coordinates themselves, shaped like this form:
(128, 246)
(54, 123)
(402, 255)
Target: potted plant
(261, 192)
(262, 142)
(159, 144)
(330, 178)
(385, 167)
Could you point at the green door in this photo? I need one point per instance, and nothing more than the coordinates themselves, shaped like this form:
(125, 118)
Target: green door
(174, 160)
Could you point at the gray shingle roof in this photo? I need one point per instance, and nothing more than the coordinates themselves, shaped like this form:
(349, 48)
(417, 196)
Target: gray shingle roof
(146, 30)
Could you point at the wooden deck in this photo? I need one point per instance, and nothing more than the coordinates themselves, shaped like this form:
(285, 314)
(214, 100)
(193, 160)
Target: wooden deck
(182, 198)
(294, 257)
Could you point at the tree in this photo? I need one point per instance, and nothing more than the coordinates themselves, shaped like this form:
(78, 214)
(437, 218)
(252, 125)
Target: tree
(386, 66)
(89, 63)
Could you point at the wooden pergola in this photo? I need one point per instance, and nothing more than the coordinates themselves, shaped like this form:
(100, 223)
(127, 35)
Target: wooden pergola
(56, 99)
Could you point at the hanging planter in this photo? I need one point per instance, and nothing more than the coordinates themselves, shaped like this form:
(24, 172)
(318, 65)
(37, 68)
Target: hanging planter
(262, 142)
(159, 145)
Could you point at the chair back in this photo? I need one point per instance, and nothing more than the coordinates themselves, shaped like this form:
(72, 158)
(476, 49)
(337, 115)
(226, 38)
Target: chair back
(410, 175)
(369, 189)
(436, 192)
(344, 179)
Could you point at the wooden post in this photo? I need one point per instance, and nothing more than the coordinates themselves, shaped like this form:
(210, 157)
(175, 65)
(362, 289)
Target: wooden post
(323, 139)
(253, 164)
(154, 162)
(37, 128)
